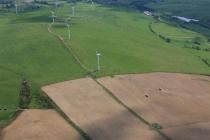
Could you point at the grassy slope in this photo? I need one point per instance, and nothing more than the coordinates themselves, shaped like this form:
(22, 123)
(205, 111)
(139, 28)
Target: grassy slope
(28, 50)
(198, 9)
(123, 38)
(179, 34)
(126, 43)
(168, 30)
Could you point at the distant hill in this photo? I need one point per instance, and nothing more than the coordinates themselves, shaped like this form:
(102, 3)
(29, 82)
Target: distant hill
(191, 8)
(196, 9)
(129, 3)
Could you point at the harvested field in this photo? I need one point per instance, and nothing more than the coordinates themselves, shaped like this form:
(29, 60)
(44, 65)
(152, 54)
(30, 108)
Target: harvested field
(93, 110)
(197, 131)
(179, 102)
(39, 125)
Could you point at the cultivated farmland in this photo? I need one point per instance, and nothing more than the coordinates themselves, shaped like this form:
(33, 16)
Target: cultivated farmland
(92, 109)
(37, 124)
(178, 102)
(29, 49)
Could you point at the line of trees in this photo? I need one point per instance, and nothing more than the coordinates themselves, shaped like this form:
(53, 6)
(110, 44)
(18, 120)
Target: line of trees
(166, 39)
(25, 94)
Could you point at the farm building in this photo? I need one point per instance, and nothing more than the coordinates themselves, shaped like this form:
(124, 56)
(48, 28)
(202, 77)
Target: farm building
(185, 19)
(148, 13)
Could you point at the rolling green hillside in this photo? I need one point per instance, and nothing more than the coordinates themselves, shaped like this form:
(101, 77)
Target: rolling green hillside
(124, 38)
(198, 9)
(29, 51)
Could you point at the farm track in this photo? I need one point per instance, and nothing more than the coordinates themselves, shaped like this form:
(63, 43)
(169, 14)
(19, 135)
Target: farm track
(75, 56)
(59, 37)
(106, 90)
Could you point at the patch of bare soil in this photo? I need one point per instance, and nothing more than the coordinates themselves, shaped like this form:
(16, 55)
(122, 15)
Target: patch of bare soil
(39, 125)
(197, 131)
(93, 110)
(172, 100)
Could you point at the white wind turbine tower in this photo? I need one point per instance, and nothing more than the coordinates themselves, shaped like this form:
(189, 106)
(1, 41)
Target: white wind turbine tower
(68, 28)
(92, 3)
(56, 4)
(73, 11)
(53, 16)
(16, 8)
(98, 61)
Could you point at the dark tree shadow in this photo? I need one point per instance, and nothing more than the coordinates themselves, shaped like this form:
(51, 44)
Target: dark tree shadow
(123, 126)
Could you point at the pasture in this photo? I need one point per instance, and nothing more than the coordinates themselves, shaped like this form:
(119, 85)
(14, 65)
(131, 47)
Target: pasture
(125, 41)
(28, 50)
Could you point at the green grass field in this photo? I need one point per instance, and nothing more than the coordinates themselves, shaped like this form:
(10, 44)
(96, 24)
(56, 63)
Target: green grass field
(179, 35)
(29, 51)
(123, 38)
(173, 32)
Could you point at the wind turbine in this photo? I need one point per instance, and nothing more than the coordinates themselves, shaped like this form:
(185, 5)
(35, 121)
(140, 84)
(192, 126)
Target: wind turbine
(98, 61)
(56, 4)
(73, 10)
(53, 16)
(16, 8)
(92, 3)
(68, 28)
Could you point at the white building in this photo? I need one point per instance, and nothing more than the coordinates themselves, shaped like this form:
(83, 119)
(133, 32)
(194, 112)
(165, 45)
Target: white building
(185, 19)
(148, 13)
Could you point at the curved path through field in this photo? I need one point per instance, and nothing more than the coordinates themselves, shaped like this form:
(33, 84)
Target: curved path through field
(69, 48)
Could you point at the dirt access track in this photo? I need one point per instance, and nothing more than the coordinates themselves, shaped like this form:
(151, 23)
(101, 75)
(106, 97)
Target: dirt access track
(89, 106)
(39, 125)
(178, 102)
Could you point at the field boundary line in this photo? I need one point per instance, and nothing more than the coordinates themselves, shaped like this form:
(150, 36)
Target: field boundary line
(164, 35)
(59, 110)
(68, 119)
(132, 111)
(60, 38)
(10, 120)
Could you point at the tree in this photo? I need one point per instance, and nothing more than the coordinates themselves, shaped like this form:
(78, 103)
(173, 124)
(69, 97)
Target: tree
(168, 40)
(25, 94)
(198, 40)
